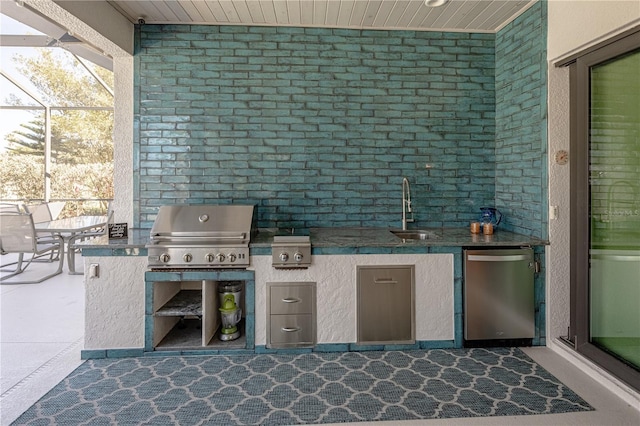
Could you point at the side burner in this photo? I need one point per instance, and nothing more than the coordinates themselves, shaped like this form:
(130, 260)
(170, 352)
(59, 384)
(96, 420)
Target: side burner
(291, 251)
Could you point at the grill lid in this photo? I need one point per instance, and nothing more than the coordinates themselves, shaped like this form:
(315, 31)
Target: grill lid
(228, 223)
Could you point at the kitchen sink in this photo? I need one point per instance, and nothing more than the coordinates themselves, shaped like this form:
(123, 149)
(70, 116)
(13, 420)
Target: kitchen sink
(415, 234)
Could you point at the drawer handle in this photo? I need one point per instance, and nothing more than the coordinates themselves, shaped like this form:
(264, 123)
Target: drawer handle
(385, 281)
(290, 329)
(291, 300)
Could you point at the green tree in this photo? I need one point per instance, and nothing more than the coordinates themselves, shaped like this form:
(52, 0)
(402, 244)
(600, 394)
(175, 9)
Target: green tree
(82, 141)
(78, 135)
(22, 177)
(30, 141)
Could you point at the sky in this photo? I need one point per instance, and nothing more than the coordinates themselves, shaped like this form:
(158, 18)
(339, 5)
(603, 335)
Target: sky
(10, 120)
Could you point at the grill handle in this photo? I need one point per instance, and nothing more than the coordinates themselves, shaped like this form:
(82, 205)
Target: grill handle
(184, 236)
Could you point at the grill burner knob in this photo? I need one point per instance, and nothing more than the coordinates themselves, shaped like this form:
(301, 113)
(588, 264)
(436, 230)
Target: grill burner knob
(220, 257)
(165, 258)
(232, 257)
(209, 257)
(297, 256)
(284, 257)
(187, 258)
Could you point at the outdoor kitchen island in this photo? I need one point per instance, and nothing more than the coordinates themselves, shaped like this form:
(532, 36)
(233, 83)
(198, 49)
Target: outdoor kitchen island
(116, 300)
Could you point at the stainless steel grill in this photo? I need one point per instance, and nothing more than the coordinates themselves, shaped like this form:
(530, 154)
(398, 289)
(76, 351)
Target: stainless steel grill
(201, 236)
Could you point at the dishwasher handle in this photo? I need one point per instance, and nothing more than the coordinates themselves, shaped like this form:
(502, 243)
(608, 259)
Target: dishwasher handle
(494, 258)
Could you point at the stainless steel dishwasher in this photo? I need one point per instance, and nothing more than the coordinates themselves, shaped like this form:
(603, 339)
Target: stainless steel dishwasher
(499, 294)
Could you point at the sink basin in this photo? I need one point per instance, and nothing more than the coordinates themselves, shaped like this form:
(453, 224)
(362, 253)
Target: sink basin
(415, 234)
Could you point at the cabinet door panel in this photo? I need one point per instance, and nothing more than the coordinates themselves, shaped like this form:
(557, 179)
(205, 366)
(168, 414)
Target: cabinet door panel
(385, 304)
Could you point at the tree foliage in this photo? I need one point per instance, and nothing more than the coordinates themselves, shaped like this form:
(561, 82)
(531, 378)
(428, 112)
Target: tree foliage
(81, 139)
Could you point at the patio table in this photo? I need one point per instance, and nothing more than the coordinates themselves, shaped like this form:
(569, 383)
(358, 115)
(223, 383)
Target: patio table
(71, 226)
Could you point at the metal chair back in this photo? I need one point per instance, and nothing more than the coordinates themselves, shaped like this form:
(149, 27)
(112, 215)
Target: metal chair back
(18, 235)
(40, 212)
(9, 208)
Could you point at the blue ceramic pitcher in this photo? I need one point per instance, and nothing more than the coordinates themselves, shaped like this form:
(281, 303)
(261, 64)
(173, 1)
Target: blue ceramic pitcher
(490, 215)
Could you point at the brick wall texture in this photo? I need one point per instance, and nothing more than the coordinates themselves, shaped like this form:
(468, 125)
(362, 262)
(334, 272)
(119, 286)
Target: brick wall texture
(317, 127)
(521, 123)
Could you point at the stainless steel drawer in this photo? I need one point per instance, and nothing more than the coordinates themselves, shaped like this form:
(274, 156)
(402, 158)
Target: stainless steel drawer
(292, 330)
(291, 299)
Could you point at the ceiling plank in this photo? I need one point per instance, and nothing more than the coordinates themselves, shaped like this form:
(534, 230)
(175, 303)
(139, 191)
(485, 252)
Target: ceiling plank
(203, 10)
(218, 11)
(178, 10)
(442, 15)
(268, 12)
(230, 11)
(281, 12)
(255, 11)
(295, 14)
(346, 10)
(357, 14)
(306, 12)
(457, 15)
(192, 13)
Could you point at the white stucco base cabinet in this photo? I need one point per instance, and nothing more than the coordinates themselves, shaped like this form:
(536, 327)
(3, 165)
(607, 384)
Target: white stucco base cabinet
(114, 303)
(335, 276)
(115, 300)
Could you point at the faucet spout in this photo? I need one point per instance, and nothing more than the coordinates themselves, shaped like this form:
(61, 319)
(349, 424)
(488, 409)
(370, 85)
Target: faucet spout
(406, 203)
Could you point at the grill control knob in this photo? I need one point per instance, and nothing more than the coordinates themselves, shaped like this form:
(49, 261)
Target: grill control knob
(284, 257)
(187, 258)
(297, 256)
(232, 257)
(164, 257)
(209, 257)
(220, 257)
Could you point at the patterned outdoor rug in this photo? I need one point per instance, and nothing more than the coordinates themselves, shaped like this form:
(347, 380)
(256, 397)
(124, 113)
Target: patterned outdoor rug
(304, 389)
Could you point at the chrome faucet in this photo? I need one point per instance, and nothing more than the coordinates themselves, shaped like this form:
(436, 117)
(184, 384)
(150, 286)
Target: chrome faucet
(406, 203)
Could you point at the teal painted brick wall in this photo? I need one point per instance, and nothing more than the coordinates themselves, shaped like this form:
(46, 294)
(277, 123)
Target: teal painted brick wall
(315, 126)
(521, 123)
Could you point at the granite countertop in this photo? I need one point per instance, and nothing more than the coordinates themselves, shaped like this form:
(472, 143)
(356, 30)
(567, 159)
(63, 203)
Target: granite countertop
(350, 238)
(136, 239)
(381, 237)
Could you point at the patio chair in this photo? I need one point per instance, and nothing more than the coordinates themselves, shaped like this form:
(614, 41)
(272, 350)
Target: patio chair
(8, 208)
(42, 213)
(72, 246)
(18, 235)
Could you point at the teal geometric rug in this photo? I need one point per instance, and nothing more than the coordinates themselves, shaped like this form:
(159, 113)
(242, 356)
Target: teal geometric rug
(310, 388)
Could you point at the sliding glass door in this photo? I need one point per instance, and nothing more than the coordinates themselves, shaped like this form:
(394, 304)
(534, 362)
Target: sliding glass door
(614, 254)
(606, 208)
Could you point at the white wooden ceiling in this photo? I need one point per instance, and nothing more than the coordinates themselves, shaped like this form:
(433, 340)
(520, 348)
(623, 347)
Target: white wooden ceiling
(456, 15)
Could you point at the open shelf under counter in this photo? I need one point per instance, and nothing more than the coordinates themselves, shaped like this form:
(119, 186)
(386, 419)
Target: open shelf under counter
(185, 303)
(187, 335)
